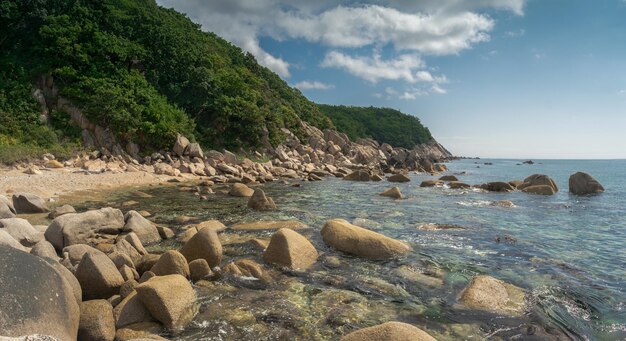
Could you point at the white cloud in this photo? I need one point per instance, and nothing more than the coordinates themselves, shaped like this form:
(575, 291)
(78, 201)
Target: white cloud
(515, 34)
(623, 91)
(374, 68)
(315, 85)
(438, 27)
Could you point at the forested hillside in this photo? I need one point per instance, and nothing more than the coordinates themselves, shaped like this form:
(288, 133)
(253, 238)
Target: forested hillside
(382, 124)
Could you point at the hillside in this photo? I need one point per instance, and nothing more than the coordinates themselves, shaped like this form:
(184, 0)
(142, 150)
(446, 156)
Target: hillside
(382, 124)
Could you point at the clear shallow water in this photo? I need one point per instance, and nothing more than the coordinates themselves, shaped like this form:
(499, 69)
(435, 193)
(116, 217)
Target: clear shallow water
(569, 254)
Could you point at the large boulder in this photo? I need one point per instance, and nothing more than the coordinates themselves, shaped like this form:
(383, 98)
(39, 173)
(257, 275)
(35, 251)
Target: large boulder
(7, 240)
(169, 299)
(290, 249)
(361, 242)
(98, 276)
(76, 252)
(498, 186)
(96, 321)
(539, 189)
(131, 310)
(583, 183)
(21, 230)
(145, 230)
(195, 150)
(260, 202)
(180, 146)
(393, 192)
(398, 178)
(241, 190)
(90, 227)
(358, 175)
(34, 298)
(390, 331)
(6, 208)
(44, 249)
(170, 263)
(28, 203)
(206, 245)
(538, 180)
(488, 293)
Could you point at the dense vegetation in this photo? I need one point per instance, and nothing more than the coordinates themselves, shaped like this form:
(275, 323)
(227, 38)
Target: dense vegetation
(145, 71)
(382, 124)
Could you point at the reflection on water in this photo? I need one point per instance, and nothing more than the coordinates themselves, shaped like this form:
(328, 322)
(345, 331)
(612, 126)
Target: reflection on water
(568, 252)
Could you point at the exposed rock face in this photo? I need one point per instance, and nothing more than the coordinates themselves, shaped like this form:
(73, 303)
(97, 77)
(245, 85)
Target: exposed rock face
(290, 249)
(260, 202)
(85, 228)
(96, 321)
(583, 183)
(361, 242)
(390, 331)
(206, 245)
(28, 203)
(393, 192)
(538, 180)
(241, 190)
(398, 178)
(98, 276)
(37, 301)
(170, 263)
(145, 230)
(169, 299)
(488, 293)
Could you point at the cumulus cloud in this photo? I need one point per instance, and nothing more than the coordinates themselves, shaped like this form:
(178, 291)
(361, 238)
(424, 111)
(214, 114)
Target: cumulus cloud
(314, 85)
(437, 27)
(375, 68)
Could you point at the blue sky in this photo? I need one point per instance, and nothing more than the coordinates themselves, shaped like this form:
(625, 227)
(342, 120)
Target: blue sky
(490, 78)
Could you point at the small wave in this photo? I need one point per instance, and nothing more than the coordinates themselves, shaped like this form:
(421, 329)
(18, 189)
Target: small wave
(478, 203)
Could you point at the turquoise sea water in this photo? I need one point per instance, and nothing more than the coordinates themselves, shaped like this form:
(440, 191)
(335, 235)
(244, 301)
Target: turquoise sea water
(568, 252)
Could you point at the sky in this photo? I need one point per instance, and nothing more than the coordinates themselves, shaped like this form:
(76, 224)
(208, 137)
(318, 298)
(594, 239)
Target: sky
(489, 78)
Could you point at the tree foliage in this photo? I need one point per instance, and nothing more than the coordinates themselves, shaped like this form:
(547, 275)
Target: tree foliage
(382, 124)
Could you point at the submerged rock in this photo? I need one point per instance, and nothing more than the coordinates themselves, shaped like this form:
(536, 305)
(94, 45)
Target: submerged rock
(260, 202)
(169, 299)
(583, 183)
(361, 242)
(291, 249)
(389, 331)
(393, 192)
(488, 293)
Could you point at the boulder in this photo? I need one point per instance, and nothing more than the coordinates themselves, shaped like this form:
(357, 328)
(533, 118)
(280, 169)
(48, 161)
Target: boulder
(131, 310)
(398, 178)
(127, 288)
(96, 321)
(21, 230)
(28, 203)
(69, 278)
(44, 249)
(61, 210)
(98, 276)
(458, 185)
(361, 242)
(203, 245)
(497, 186)
(268, 225)
(539, 189)
(141, 331)
(180, 146)
(124, 247)
(488, 293)
(246, 268)
(6, 211)
(165, 232)
(90, 227)
(538, 180)
(358, 175)
(392, 193)
(36, 301)
(199, 269)
(290, 249)
(240, 190)
(7, 240)
(8, 203)
(128, 273)
(147, 262)
(448, 178)
(133, 240)
(214, 225)
(260, 202)
(195, 150)
(171, 262)
(582, 183)
(431, 183)
(389, 331)
(169, 299)
(145, 230)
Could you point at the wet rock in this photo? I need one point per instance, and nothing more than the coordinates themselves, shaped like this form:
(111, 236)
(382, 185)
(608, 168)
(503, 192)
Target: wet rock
(582, 183)
(497, 186)
(458, 185)
(539, 189)
(260, 202)
(131, 310)
(448, 178)
(145, 230)
(247, 268)
(361, 242)
(240, 190)
(141, 331)
(538, 180)
(199, 269)
(44, 249)
(170, 263)
(389, 331)
(85, 228)
(392, 193)
(259, 243)
(268, 225)
(488, 293)
(415, 276)
(503, 203)
(206, 245)
(61, 210)
(516, 183)
(358, 175)
(290, 249)
(180, 147)
(437, 227)
(28, 203)
(431, 183)
(376, 177)
(169, 299)
(96, 321)
(21, 230)
(214, 225)
(398, 178)
(98, 276)
(36, 301)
